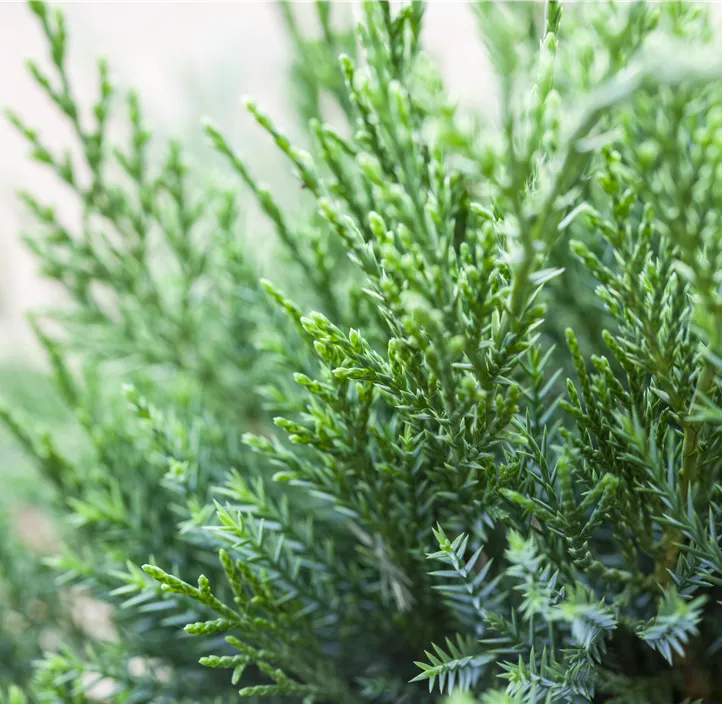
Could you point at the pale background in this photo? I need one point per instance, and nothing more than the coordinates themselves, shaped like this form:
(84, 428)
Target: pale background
(187, 60)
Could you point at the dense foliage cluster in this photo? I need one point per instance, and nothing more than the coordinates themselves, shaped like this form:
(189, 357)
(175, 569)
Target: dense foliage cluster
(467, 441)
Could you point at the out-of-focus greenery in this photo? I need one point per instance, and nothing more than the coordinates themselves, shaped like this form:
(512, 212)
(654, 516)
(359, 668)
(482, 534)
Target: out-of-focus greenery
(30, 606)
(32, 392)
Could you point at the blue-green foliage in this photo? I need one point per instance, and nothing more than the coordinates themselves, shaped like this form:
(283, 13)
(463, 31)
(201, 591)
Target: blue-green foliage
(367, 480)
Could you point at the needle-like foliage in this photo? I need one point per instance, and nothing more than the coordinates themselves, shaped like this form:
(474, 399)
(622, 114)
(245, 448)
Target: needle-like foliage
(467, 441)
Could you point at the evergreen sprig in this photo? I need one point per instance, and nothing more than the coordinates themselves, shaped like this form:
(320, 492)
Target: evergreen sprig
(467, 442)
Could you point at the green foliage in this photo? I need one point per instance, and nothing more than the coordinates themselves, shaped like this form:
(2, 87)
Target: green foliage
(29, 608)
(368, 481)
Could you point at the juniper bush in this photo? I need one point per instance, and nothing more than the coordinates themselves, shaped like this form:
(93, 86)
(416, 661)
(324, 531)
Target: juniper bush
(466, 442)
